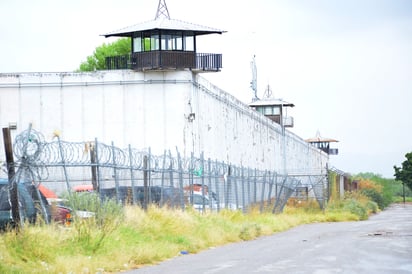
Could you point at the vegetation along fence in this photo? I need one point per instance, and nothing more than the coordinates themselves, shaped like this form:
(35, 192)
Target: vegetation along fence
(138, 177)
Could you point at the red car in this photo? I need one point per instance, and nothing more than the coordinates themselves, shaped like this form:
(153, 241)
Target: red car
(59, 213)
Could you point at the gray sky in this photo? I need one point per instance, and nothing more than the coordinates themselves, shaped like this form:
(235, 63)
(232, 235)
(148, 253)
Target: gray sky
(346, 65)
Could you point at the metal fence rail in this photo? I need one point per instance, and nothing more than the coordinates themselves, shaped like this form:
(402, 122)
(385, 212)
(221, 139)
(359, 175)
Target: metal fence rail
(134, 176)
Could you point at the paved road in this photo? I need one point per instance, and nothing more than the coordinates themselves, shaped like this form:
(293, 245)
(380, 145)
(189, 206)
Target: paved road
(382, 244)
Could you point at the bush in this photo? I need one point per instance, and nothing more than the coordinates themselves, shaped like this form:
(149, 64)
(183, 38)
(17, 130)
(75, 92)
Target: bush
(372, 207)
(92, 232)
(388, 188)
(375, 196)
(355, 207)
(355, 203)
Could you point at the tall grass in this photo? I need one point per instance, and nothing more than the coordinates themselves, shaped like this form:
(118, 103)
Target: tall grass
(120, 238)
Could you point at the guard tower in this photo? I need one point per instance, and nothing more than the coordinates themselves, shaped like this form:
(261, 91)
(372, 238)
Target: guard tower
(323, 144)
(165, 44)
(274, 109)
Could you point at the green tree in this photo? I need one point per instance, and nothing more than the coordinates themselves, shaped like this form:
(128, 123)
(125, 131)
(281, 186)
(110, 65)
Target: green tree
(404, 173)
(97, 61)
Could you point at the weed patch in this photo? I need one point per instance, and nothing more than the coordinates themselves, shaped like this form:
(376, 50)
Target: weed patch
(118, 238)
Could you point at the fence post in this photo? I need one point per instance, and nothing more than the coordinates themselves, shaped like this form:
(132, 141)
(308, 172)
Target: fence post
(64, 165)
(235, 179)
(191, 178)
(278, 202)
(171, 178)
(262, 197)
(242, 181)
(202, 178)
(275, 181)
(116, 181)
(276, 187)
(171, 170)
(99, 175)
(145, 183)
(14, 196)
(69, 191)
(134, 196)
(228, 185)
(93, 166)
(149, 176)
(8, 149)
(249, 202)
(216, 176)
(182, 199)
(162, 183)
(255, 188)
(270, 188)
(209, 183)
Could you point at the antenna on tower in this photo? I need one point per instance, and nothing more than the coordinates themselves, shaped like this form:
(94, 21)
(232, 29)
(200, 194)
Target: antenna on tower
(162, 10)
(253, 83)
(268, 92)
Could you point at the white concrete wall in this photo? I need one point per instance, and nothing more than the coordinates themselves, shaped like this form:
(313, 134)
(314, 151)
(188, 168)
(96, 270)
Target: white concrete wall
(233, 132)
(151, 109)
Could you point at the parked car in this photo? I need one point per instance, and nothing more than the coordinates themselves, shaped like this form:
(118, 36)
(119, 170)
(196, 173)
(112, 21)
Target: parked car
(200, 197)
(160, 195)
(27, 207)
(60, 213)
(31, 205)
(200, 201)
(83, 188)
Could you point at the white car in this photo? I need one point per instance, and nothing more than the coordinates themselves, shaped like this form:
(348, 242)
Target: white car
(201, 202)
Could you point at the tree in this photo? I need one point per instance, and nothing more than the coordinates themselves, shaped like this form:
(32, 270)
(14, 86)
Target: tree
(97, 61)
(404, 173)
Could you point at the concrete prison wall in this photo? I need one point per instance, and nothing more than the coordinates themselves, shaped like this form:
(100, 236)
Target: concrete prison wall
(160, 110)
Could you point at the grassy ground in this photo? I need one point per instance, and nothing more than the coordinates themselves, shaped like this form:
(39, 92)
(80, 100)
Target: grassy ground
(399, 199)
(129, 237)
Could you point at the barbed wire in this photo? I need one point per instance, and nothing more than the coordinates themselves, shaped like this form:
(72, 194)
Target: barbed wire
(28, 148)
(34, 153)
(36, 158)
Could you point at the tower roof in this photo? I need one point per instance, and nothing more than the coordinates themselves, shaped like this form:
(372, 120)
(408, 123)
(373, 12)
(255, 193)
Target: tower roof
(270, 102)
(319, 138)
(164, 24)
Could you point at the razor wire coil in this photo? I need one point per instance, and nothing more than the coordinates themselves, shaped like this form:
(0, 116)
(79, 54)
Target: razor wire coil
(37, 159)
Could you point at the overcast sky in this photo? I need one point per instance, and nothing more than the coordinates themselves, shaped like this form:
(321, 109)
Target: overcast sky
(345, 64)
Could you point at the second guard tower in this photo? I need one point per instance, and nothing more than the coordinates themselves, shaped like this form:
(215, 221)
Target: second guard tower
(273, 108)
(323, 144)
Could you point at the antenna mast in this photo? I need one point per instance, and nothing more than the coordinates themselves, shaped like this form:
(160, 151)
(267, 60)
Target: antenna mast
(268, 92)
(253, 83)
(162, 10)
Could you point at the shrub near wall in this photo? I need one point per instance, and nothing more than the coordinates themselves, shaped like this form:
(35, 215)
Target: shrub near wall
(378, 189)
(354, 203)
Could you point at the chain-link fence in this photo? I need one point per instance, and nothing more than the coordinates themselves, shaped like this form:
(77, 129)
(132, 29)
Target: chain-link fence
(134, 176)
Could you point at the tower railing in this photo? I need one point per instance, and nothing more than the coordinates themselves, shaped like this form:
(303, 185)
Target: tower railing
(158, 60)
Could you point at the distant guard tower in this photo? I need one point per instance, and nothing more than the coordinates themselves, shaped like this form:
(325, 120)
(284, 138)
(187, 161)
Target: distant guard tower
(323, 144)
(274, 109)
(165, 44)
